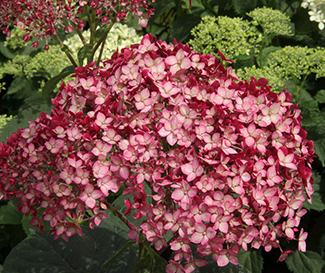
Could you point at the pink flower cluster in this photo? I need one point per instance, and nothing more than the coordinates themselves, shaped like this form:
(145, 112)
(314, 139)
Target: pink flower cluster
(227, 162)
(42, 18)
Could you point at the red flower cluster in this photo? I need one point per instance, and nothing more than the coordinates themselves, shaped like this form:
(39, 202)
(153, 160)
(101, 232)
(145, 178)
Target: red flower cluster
(42, 18)
(227, 163)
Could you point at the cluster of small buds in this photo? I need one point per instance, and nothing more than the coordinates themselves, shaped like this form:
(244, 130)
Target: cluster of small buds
(227, 162)
(42, 18)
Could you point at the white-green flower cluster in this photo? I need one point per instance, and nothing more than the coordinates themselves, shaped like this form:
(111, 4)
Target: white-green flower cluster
(273, 22)
(232, 36)
(236, 37)
(316, 11)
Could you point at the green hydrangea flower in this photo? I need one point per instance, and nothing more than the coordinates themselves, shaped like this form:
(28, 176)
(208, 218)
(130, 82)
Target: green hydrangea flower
(295, 62)
(275, 80)
(15, 41)
(232, 36)
(273, 22)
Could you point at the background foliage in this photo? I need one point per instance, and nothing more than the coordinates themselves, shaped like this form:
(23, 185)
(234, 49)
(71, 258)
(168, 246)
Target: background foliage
(277, 42)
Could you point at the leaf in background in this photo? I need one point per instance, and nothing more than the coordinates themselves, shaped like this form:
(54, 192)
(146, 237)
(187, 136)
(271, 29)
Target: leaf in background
(319, 147)
(151, 263)
(162, 18)
(113, 223)
(81, 254)
(318, 197)
(34, 105)
(181, 27)
(251, 259)
(320, 96)
(5, 51)
(9, 214)
(21, 88)
(266, 54)
(242, 7)
(52, 83)
(305, 262)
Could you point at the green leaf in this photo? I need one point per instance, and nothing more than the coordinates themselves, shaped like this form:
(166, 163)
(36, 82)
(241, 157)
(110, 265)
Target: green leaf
(241, 7)
(308, 262)
(9, 214)
(81, 254)
(31, 110)
(151, 263)
(5, 51)
(52, 83)
(318, 197)
(84, 53)
(18, 84)
(181, 27)
(319, 147)
(320, 96)
(251, 259)
(266, 54)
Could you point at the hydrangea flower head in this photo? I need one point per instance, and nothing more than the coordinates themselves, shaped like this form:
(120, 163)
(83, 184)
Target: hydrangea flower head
(227, 162)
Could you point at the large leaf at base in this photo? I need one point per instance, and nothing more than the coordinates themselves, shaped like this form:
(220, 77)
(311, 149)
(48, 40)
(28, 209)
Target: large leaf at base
(9, 214)
(52, 83)
(305, 262)
(40, 254)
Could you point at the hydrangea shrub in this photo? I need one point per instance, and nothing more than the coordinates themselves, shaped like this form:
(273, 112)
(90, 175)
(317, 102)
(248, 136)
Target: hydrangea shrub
(227, 163)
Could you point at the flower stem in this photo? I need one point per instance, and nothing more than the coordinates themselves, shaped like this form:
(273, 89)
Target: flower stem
(79, 34)
(118, 214)
(65, 49)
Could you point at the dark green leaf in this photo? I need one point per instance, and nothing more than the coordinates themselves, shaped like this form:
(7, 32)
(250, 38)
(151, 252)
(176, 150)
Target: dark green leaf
(197, 4)
(305, 96)
(251, 259)
(84, 53)
(181, 27)
(29, 112)
(52, 83)
(318, 197)
(242, 7)
(308, 262)
(320, 96)
(81, 254)
(319, 147)
(5, 51)
(151, 263)
(18, 84)
(10, 215)
(143, 265)
(266, 54)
